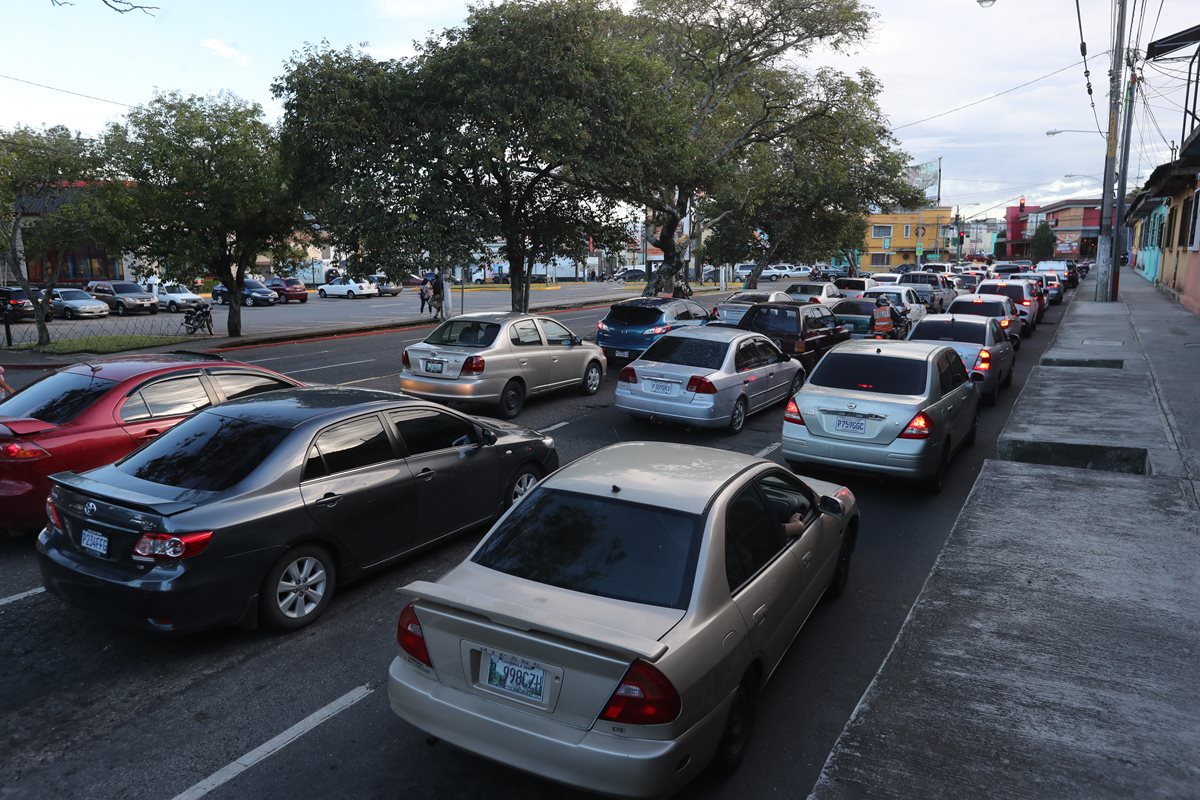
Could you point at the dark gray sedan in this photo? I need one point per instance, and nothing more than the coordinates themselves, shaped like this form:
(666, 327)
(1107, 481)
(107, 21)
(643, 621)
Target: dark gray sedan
(257, 509)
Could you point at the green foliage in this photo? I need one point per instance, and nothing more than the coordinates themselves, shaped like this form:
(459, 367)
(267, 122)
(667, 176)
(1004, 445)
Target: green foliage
(1042, 243)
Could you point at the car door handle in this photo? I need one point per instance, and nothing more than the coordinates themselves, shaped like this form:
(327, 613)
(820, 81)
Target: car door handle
(523, 361)
(150, 434)
(950, 407)
(806, 559)
(427, 474)
(329, 500)
(760, 616)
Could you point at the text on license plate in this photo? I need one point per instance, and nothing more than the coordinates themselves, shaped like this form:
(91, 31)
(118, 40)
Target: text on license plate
(521, 678)
(850, 425)
(95, 542)
(622, 353)
(435, 367)
(660, 387)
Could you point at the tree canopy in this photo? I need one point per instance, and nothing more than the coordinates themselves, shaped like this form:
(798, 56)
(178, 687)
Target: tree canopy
(1042, 243)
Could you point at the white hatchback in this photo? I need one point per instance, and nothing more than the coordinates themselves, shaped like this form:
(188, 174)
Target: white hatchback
(349, 288)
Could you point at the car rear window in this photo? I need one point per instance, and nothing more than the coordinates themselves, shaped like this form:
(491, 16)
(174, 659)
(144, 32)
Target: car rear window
(599, 546)
(687, 352)
(121, 287)
(926, 278)
(206, 452)
(464, 333)
(871, 373)
(950, 330)
(1015, 292)
(772, 319)
(807, 289)
(887, 278)
(749, 297)
(293, 282)
(969, 280)
(57, 398)
(981, 309)
(854, 307)
(855, 284)
(634, 315)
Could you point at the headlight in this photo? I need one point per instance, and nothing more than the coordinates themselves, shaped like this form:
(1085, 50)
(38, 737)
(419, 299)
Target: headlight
(548, 441)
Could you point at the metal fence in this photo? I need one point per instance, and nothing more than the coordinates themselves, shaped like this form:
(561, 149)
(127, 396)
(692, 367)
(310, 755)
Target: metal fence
(108, 334)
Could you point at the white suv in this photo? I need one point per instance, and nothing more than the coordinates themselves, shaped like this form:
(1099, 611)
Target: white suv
(1023, 298)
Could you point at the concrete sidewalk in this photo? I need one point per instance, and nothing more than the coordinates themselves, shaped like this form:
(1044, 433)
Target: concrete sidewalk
(1055, 649)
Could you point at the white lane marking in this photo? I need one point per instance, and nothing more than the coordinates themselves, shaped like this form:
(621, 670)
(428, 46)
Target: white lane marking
(276, 358)
(330, 366)
(364, 380)
(12, 598)
(766, 451)
(555, 426)
(232, 770)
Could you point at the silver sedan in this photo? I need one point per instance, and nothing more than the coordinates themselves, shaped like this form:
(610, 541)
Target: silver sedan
(500, 359)
(76, 304)
(613, 629)
(711, 377)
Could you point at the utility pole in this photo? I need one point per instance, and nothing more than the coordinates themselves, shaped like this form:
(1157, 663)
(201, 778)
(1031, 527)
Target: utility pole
(1104, 254)
(1119, 235)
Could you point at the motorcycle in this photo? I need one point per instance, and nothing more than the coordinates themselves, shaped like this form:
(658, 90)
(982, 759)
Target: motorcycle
(197, 319)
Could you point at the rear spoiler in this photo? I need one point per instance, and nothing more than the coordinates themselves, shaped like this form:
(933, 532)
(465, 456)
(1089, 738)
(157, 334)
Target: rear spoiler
(124, 497)
(537, 620)
(23, 426)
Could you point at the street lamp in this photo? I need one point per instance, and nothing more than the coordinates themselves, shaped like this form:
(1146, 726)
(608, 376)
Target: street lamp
(1056, 131)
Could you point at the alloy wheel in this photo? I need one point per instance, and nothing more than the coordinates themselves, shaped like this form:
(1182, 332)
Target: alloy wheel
(301, 587)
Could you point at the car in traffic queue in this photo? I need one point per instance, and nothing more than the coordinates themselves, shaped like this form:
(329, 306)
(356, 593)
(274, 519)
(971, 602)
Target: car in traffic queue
(803, 331)
(76, 304)
(1005, 269)
(730, 310)
(92, 413)
(1066, 270)
(348, 288)
(256, 511)
(903, 298)
(882, 278)
(998, 306)
(15, 304)
(788, 271)
(892, 408)
(174, 297)
(934, 289)
(1050, 282)
(288, 289)
(814, 292)
(611, 631)
(385, 285)
(709, 377)
(1024, 298)
(254, 293)
(985, 348)
(123, 297)
(631, 326)
(498, 359)
(855, 316)
(852, 288)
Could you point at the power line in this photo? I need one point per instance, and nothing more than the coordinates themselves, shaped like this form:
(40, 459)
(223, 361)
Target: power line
(1156, 18)
(66, 91)
(1087, 73)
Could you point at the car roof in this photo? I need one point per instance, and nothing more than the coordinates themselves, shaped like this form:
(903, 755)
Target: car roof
(646, 302)
(786, 304)
(715, 333)
(966, 319)
(119, 368)
(680, 477)
(1005, 281)
(920, 351)
(290, 408)
(984, 297)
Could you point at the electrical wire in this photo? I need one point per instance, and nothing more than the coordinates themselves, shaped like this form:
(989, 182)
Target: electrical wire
(1087, 73)
(66, 91)
(1156, 18)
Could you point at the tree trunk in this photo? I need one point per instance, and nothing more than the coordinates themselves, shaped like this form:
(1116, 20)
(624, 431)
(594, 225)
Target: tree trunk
(518, 283)
(233, 283)
(664, 277)
(20, 269)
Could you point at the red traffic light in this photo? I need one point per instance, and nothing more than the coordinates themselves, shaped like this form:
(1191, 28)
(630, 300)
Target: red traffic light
(1022, 205)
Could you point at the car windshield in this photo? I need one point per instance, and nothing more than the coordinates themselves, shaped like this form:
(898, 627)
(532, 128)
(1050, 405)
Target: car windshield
(207, 452)
(172, 288)
(57, 398)
(293, 282)
(854, 308)
(926, 278)
(977, 308)
(634, 315)
(748, 297)
(687, 352)
(121, 287)
(73, 294)
(1012, 290)
(950, 330)
(871, 373)
(856, 284)
(806, 289)
(464, 333)
(599, 546)
(772, 319)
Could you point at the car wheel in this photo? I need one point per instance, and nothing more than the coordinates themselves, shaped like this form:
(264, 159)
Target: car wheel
(283, 299)
(591, 379)
(1016, 344)
(303, 300)
(349, 295)
(49, 316)
(841, 574)
(991, 397)
(521, 484)
(172, 307)
(298, 588)
(774, 278)
(512, 400)
(938, 480)
(153, 310)
(321, 292)
(797, 383)
(737, 420)
(739, 727)
(121, 310)
(71, 314)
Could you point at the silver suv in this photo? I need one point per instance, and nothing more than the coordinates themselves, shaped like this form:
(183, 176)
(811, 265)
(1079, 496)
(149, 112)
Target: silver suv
(123, 297)
(1023, 297)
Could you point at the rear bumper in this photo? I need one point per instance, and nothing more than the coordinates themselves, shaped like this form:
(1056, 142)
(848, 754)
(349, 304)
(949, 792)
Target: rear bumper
(908, 458)
(704, 411)
(598, 762)
(483, 390)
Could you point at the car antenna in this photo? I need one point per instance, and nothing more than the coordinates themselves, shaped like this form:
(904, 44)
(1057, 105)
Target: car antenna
(93, 367)
(616, 489)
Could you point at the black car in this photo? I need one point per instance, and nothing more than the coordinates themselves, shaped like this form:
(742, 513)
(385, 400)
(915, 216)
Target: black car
(254, 511)
(254, 293)
(16, 305)
(803, 331)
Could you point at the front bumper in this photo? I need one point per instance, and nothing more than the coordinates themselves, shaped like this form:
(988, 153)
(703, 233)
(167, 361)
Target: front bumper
(481, 390)
(906, 458)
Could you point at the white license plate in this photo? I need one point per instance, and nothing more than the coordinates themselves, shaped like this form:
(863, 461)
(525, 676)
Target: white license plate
(660, 387)
(514, 675)
(850, 425)
(94, 542)
(622, 353)
(435, 367)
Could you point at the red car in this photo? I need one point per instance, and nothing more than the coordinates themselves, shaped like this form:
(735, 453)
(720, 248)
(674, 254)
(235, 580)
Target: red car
(88, 415)
(288, 289)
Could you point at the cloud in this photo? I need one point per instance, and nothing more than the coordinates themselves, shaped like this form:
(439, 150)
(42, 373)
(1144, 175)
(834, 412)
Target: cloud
(226, 51)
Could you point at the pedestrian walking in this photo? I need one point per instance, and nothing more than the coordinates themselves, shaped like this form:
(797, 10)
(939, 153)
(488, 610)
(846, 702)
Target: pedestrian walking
(437, 300)
(426, 294)
(5, 389)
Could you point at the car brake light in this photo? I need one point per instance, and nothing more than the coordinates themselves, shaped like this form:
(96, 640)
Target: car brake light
(52, 514)
(792, 413)
(1026, 303)
(22, 451)
(411, 637)
(1004, 323)
(627, 375)
(977, 300)
(472, 366)
(404, 360)
(656, 330)
(701, 385)
(714, 312)
(644, 697)
(919, 427)
(600, 326)
(984, 362)
(171, 545)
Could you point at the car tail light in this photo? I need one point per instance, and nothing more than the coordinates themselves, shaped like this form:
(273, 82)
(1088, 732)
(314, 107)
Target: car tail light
(656, 330)
(22, 451)
(714, 312)
(404, 361)
(472, 366)
(171, 545)
(644, 697)
(984, 362)
(792, 413)
(701, 385)
(977, 300)
(410, 637)
(600, 326)
(52, 514)
(919, 427)
(627, 375)
(1004, 323)
(1026, 302)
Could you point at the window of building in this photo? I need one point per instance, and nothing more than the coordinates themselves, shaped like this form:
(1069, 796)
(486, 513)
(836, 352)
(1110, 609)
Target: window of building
(881, 231)
(908, 231)
(1185, 226)
(1170, 229)
(880, 259)
(1194, 226)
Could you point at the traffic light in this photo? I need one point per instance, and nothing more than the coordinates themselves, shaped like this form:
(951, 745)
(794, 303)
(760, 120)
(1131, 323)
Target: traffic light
(962, 236)
(1022, 205)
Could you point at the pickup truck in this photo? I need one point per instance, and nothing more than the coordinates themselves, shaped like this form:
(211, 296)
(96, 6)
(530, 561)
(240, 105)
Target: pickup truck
(933, 289)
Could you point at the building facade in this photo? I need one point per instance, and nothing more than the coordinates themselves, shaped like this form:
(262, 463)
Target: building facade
(1167, 249)
(907, 237)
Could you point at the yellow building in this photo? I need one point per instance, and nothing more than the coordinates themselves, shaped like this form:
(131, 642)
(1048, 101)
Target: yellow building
(907, 237)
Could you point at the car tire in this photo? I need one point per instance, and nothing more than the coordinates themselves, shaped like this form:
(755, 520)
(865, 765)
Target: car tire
(774, 278)
(592, 375)
(321, 292)
(121, 310)
(303, 300)
(737, 419)
(283, 299)
(512, 400)
(797, 383)
(523, 481)
(286, 609)
(841, 573)
(172, 307)
(991, 397)
(937, 481)
(70, 314)
(349, 295)
(739, 728)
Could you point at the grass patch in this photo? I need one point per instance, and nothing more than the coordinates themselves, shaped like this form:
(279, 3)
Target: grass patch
(106, 344)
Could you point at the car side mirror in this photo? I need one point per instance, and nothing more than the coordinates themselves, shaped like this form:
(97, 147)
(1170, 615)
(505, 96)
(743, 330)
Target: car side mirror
(576, 341)
(488, 436)
(976, 377)
(831, 506)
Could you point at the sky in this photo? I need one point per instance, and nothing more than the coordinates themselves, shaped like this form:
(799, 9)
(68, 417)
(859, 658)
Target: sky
(931, 56)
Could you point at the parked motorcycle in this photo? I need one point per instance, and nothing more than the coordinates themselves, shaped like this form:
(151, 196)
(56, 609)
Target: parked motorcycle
(198, 319)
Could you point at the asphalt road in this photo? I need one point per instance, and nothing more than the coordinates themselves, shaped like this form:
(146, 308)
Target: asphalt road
(93, 711)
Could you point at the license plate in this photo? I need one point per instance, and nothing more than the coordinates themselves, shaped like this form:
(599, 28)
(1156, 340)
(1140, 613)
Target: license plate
(622, 353)
(516, 676)
(94, 542)
(436, 367)
(850, 425)
(659, 387)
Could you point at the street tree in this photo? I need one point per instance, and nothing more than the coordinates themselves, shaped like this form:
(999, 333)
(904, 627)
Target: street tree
(205, 188)
(1042, 244)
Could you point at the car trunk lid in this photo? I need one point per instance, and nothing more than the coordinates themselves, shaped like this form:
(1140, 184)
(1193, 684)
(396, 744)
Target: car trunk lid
(24, 426)
(666, 381)
(442, 361)
(867, 417)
